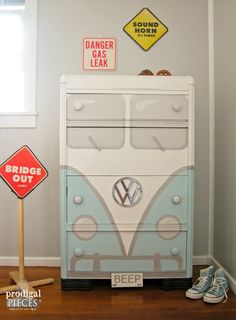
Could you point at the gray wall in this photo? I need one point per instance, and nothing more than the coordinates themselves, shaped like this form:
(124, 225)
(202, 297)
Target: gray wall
(62, 24)
(225, 138)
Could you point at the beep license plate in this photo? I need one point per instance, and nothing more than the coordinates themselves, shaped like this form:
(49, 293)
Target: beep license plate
(125, 280)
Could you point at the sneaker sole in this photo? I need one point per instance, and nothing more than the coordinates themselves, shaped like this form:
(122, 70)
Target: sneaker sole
(194, 296)
(214, 300)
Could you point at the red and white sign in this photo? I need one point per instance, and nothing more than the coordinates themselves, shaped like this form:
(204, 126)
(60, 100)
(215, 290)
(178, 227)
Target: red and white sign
(99, 54)
(23, 172)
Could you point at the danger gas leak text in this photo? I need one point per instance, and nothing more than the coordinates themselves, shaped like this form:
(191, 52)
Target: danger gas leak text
(98, 53)
(99, 59)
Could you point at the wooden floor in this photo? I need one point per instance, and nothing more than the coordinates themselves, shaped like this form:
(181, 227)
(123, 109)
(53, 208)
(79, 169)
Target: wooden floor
(147, 303)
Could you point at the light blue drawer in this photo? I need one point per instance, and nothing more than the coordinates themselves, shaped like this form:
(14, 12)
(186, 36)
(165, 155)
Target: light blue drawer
(104, 252)
(169, 200)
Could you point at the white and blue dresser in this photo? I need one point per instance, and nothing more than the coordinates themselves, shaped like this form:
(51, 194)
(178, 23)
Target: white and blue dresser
(126, 186)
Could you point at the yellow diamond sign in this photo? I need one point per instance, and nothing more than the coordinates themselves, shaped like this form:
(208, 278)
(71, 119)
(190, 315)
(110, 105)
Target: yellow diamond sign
(145, 29)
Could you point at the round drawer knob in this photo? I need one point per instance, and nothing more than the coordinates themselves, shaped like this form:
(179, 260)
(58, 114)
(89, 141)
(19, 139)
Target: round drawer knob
(78, 106)
(177, 107)
(175, 251)
(78, 252)
(78, 199)
(176, 199)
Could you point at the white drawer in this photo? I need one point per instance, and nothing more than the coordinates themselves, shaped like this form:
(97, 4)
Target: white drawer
(159, 107)
(159, 138)
(140, 138)
(95, 138)
(95, 107)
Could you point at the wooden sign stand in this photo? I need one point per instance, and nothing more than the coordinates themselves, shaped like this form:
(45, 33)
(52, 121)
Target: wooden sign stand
(19, 276)
(28, 173)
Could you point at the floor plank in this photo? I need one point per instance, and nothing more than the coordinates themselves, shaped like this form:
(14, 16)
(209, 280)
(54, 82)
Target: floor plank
(103, 302)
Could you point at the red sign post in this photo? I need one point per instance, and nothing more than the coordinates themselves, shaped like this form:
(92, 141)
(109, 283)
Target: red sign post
(22, 172)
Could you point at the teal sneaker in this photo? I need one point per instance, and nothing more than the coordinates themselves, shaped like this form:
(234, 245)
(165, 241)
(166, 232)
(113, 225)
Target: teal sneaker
(202, 284)
(219, 288)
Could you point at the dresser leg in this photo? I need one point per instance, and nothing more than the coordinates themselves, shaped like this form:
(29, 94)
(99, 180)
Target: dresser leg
(172, 284)
(76, 284)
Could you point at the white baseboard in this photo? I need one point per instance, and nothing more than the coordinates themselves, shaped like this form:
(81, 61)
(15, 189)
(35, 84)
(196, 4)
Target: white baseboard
(56, 261)
(202, 260)
(31, 261)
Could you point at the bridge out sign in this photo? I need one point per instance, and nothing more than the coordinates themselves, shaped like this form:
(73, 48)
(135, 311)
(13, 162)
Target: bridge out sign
(23, 172)
(145, 29)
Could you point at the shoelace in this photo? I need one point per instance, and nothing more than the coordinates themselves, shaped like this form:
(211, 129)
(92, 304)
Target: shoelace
(200, 282)
(216, 285)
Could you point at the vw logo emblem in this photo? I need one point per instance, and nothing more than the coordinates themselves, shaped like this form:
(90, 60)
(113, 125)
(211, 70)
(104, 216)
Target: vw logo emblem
(127, 192)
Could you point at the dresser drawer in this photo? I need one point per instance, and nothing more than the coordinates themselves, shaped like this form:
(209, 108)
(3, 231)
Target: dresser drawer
(159, 138)
(140, 138)
(104, 253)
(95, 138)
(159, 107)
(108, 200)
(95, 107)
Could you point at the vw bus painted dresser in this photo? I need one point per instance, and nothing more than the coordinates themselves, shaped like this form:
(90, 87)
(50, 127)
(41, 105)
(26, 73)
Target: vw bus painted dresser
(126, 165)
